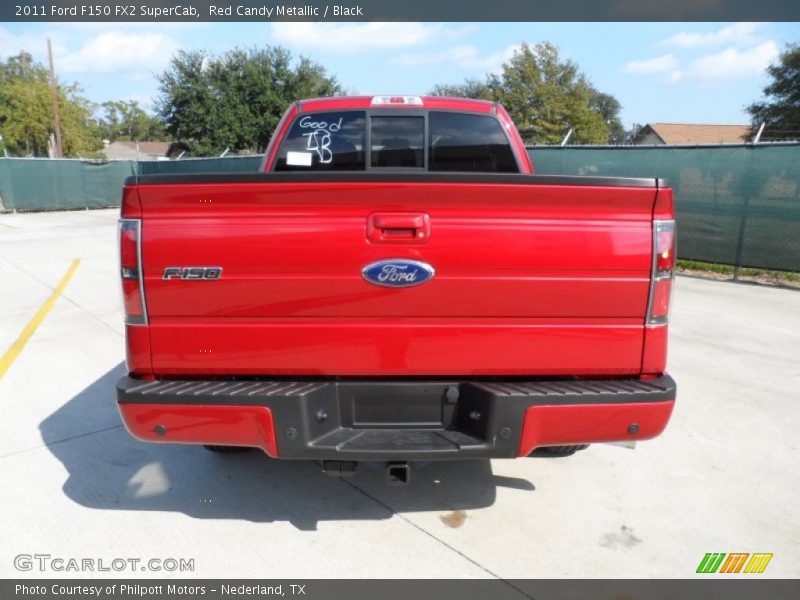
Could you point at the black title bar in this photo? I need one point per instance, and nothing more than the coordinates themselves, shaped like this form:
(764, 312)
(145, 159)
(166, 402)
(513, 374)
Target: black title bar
(398, 10)
(710, 588)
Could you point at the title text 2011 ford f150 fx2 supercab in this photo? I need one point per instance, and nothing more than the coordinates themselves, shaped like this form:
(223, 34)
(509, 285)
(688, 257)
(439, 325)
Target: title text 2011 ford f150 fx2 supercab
(396, 285)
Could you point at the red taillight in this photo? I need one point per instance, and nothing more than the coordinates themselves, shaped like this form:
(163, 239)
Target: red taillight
(665, 245)
(663, 272)
(130, 271)
(659, 304)
(129, 248)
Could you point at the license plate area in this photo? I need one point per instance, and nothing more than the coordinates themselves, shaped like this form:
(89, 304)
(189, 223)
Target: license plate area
(391, 405)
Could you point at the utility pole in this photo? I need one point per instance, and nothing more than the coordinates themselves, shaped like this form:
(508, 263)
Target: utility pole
(59, 149)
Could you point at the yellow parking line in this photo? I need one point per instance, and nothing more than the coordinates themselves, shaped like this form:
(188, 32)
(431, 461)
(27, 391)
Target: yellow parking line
(11, 354)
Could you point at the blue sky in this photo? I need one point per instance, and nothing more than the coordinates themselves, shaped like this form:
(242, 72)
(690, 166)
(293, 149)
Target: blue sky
(660, 72)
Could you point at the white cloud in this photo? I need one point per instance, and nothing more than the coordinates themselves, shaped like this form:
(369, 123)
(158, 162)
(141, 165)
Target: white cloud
(465, 56)
(658, 64)
(12, 44)
(674, 77)
(729, 64)
(135, 50)
(115, 51)
(345, 38)
(733, 63)
(738, 34)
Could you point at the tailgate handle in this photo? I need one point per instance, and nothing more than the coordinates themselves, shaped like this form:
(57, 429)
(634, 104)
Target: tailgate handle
(401, 228)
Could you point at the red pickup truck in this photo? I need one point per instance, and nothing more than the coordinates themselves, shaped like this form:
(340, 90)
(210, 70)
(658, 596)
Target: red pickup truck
(396, 285)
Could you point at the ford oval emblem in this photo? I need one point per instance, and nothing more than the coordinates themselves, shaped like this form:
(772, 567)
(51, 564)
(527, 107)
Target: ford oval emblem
(398, 272)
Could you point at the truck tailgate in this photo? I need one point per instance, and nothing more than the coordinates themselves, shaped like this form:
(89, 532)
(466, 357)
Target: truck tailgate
(530, 278)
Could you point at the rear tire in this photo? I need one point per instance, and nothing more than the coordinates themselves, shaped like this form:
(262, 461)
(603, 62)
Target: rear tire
(227, 449)
(565, 449)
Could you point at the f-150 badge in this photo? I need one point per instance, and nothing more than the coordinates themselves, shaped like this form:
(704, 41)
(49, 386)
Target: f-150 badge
(193, 273)
(398, 272)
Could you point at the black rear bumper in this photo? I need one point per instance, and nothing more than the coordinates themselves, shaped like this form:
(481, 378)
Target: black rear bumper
(385, 420)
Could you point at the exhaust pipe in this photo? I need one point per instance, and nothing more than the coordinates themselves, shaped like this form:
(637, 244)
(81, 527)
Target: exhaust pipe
(398, 473)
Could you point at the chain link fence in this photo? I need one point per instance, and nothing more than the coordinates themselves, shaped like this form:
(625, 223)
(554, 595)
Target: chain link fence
(736, 205)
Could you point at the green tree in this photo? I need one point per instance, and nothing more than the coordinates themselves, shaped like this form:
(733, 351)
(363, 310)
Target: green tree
(26, 111)
(547, 96)
(210, 103)
(780, 110)
(470, 88)
(123, 120)
(608, 107)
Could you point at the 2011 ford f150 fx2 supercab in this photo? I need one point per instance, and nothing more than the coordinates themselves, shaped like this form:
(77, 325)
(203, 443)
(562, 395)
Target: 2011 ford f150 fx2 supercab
(396, 285)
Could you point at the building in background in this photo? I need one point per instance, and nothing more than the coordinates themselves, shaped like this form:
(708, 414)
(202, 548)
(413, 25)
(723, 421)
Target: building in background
(673, 134)
(141, 150)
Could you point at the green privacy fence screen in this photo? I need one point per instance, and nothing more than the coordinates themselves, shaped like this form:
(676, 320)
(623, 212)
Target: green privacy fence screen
(737, 205)
(235, 164)
(43, 184)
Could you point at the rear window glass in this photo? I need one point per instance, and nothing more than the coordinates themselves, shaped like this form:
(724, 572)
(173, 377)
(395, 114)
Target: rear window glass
(463, 142)
(397, 142)
(331, 141)
(337, 141)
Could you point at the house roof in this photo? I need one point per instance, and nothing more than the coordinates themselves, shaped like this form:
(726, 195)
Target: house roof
(153, 148)
(698, 133)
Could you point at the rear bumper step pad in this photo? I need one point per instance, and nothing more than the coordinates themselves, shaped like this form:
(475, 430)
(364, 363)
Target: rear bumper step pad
(395, 420)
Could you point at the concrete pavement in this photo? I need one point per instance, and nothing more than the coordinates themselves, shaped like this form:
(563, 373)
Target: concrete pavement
(723, 477)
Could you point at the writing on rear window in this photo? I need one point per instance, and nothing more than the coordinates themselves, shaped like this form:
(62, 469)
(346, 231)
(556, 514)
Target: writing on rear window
(433, 140)
(332, 141)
